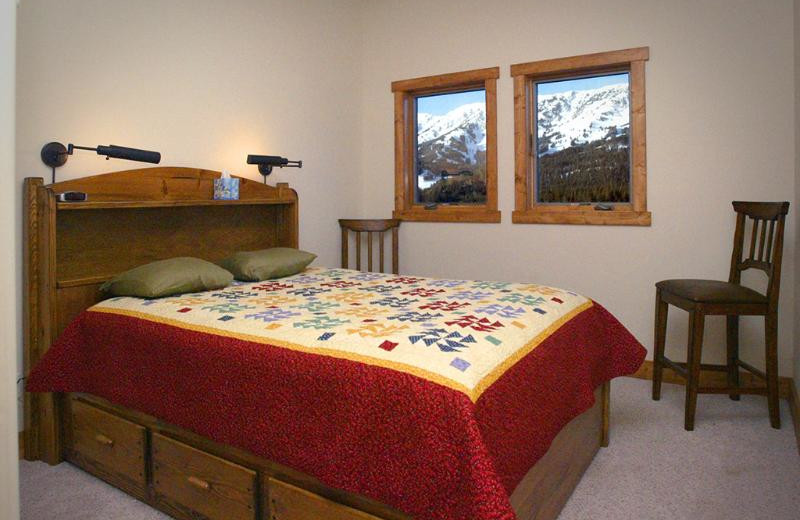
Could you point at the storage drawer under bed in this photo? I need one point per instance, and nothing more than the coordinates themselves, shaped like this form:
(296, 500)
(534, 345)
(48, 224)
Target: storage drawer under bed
(107, 445)
(194, 481)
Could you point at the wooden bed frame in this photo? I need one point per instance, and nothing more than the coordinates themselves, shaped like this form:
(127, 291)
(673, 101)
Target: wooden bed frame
(138, 216)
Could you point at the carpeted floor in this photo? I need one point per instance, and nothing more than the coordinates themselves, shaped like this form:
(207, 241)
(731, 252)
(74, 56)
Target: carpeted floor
(732, 466)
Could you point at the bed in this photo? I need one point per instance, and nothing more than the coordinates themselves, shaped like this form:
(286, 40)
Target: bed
(331, 394)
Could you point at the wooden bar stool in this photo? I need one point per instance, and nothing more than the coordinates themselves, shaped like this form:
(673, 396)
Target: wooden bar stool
(370, 227)
(702, 298)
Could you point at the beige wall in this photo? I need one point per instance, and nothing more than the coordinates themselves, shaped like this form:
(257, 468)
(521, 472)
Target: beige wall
(719, 82)
(204, 82)
(9, 497)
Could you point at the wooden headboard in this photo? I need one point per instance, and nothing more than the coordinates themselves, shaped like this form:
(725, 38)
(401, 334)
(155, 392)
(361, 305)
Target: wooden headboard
(131, 218)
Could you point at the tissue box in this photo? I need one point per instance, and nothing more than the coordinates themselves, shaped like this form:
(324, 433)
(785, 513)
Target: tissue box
(226, 189)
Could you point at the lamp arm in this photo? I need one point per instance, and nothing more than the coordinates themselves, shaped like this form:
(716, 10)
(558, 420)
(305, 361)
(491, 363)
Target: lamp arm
(71, 147)
(54, 154)
(267, 162)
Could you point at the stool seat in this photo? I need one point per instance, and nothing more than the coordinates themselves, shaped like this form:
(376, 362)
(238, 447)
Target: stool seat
(711, 291)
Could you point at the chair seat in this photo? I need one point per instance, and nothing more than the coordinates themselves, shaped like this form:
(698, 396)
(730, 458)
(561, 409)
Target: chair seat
(711, 291)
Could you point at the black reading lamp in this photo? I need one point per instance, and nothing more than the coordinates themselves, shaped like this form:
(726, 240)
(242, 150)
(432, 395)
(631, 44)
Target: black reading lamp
(267, 162)
(55, 154)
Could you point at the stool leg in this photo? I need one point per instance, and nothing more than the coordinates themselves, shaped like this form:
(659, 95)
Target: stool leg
(695, 353)
(660, 338)
(732, 329)
(771, 329)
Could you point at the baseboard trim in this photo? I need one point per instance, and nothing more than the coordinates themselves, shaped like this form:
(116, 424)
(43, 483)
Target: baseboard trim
(21, 445)
(713, 378)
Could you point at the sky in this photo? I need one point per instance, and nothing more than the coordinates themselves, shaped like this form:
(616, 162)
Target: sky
(554, 87)
(443, 103)
(439, 104)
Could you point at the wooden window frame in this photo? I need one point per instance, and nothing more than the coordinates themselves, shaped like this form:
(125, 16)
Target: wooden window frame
(405, 91)
(526, 209)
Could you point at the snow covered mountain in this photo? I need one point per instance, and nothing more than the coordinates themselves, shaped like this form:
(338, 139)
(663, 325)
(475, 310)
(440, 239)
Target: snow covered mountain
(453, 124)
(454, 141)
(581, 116)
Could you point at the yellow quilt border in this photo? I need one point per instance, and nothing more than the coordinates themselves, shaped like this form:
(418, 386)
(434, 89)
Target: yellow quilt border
(473, 394)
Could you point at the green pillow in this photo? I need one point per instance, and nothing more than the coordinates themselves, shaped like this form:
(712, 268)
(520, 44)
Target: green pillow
(167, 277)
(276, 262)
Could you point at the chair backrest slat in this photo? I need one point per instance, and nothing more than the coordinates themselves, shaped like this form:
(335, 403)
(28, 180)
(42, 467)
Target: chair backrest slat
(345, 256)
(769, 240)
(396, 249)
(358, 250)
(370, 227)
(369, 250)
(766, 246)
(753, 239)
(381, 252)
(762, 239)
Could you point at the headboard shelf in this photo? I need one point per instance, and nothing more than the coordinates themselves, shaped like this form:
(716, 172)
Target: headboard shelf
(131, 218)
(166, 203)
(78, 282)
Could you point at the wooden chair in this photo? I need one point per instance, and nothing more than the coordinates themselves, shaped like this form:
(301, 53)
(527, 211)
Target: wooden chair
(370, 227)
(710, 297)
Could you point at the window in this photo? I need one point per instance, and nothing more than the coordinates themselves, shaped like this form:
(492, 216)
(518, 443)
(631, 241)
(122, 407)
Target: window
(580, 140)
(445, 147)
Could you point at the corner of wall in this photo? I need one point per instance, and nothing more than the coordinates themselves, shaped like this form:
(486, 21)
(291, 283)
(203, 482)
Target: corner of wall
(796, 374)
(9, 477)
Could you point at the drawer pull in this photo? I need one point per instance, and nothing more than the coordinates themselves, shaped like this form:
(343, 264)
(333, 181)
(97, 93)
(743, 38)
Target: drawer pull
(199, 483)
(102, 439)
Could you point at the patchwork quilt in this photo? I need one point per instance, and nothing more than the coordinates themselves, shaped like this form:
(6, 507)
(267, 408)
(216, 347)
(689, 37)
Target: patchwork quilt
(432, 396)
(458, 333)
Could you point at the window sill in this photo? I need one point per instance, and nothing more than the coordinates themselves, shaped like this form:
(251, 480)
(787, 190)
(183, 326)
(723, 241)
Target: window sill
(449, 214)
(568, 215)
